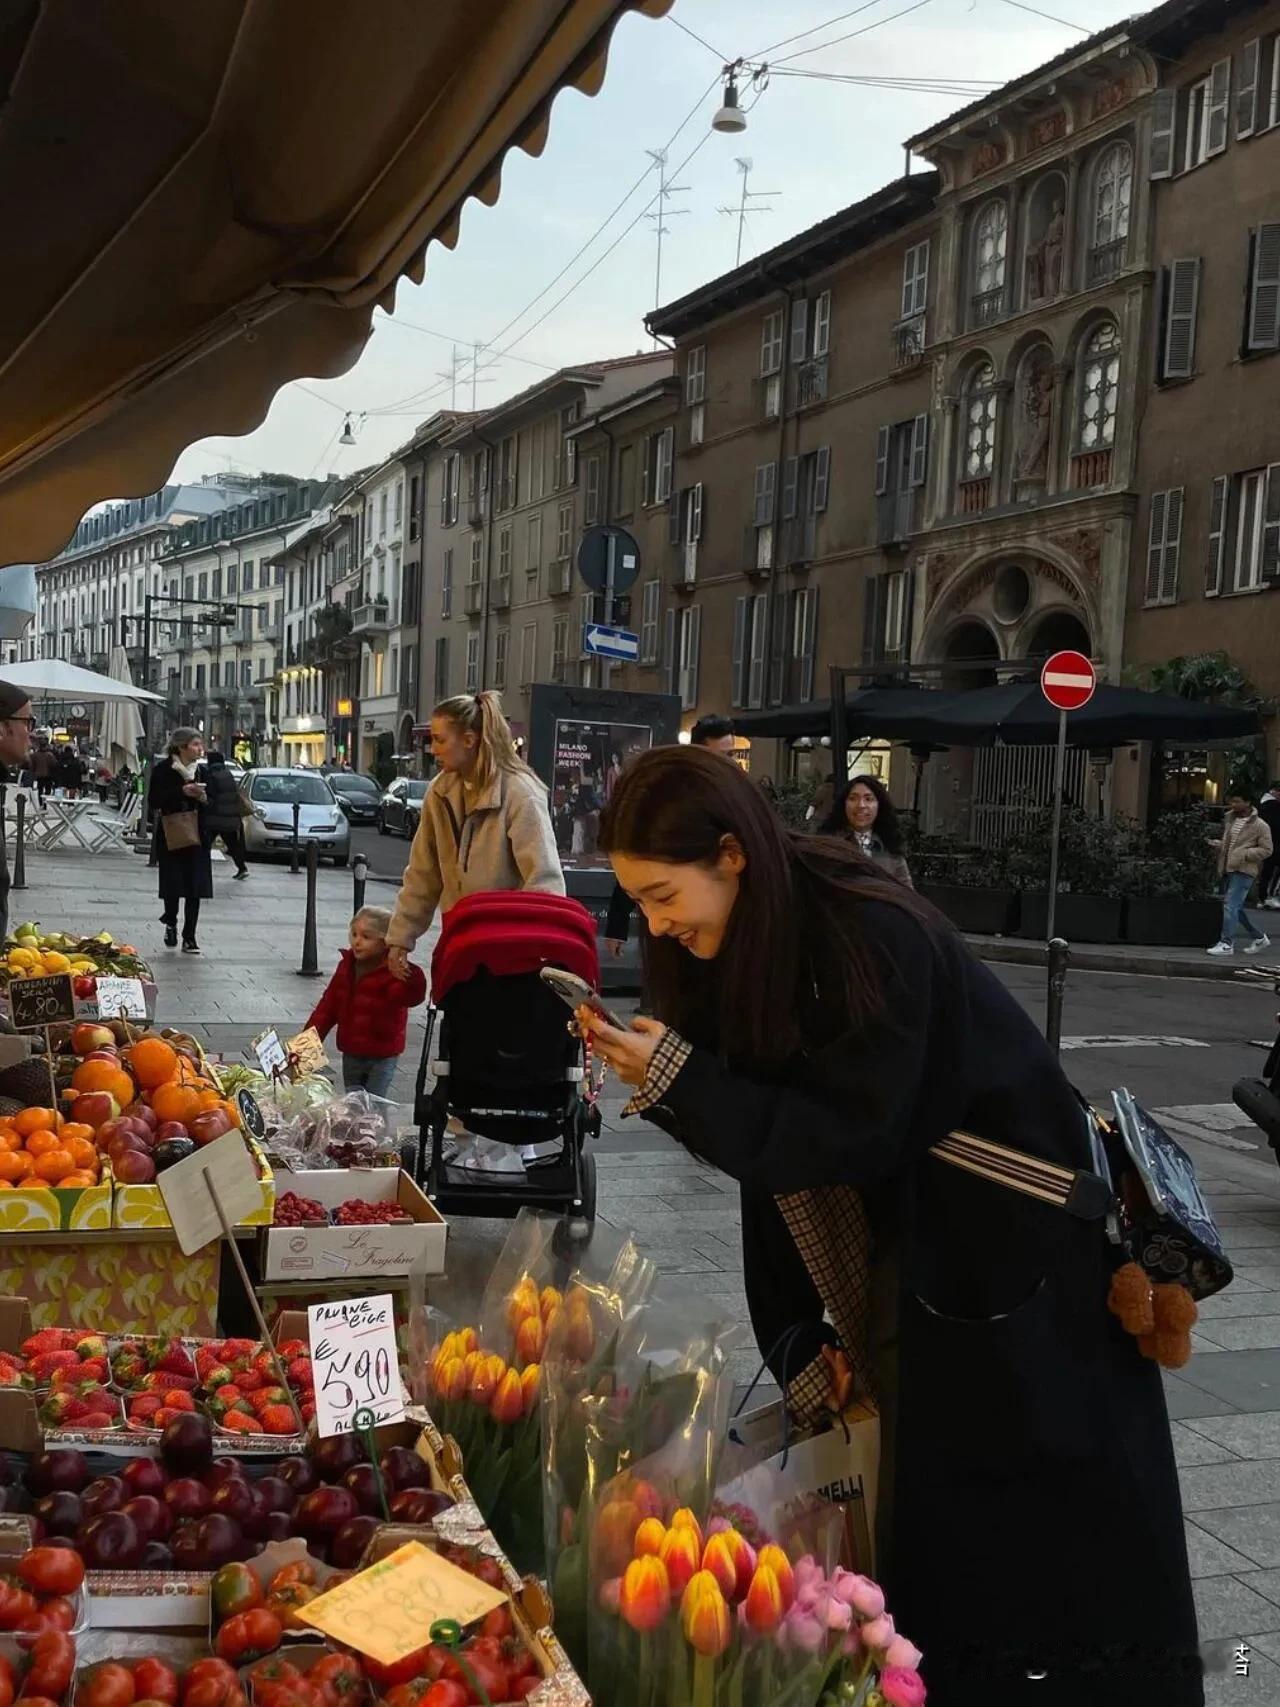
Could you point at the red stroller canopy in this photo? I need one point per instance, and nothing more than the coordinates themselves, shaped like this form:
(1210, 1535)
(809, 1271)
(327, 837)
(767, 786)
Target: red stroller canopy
(508, 931)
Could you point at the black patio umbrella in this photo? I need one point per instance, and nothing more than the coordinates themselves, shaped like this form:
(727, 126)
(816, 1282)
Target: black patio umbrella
(1018, 714)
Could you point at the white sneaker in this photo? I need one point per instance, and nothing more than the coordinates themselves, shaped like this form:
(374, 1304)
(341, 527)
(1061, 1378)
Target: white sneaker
(1257, 947)
(1221, 948)
(1272, 903)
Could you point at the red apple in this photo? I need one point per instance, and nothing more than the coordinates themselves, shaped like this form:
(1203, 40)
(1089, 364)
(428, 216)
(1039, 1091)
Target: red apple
(143, 1476)
(322, 1513)
(170, 1129)
(140, 1111)
(86, 1038)
(210, 1125)
(94, 1108)
(112, 1055)
(187, 1498)
(152, 1518)
(133, 1167)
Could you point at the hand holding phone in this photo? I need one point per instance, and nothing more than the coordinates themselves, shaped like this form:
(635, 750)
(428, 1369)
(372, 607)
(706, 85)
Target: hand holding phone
(576, 993)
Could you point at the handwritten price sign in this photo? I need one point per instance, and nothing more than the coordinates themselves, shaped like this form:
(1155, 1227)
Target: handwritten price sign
(386, 1611)
(355, 1362)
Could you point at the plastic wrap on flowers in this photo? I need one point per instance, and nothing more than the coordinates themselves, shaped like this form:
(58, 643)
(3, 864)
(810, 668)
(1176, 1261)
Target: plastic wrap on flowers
(636, 1394)
(354, 1130)
(476, 1356)
(730, 1612)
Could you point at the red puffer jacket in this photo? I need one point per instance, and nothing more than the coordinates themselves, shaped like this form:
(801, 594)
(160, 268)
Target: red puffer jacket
(371, 1013)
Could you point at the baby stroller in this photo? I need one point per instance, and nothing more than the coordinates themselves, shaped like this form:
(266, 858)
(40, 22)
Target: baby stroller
(507, 1066)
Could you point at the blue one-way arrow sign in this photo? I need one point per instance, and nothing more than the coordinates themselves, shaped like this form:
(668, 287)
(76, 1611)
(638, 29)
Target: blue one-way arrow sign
(618, 643)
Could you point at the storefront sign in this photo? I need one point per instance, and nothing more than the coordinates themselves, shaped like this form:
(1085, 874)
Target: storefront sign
(344, 708)
(355, 1362)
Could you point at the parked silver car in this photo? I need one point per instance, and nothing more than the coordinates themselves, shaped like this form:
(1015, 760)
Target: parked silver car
(272, 794)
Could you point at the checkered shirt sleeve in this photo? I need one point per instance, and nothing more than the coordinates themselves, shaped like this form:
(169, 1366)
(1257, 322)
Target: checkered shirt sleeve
(664, 1069)
(809, 1394)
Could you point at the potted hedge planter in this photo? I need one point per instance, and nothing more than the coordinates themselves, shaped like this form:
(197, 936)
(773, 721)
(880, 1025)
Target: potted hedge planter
(1173, 921)
(1078, 918)
(979, 912)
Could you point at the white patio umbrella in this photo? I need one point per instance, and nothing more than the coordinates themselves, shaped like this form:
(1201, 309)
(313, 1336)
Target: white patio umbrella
(121, 728)
(51, 678)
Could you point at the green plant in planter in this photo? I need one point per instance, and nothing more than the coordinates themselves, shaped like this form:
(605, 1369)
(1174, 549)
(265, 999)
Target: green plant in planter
(939, 860)
(1176, 862)
(1095, 855)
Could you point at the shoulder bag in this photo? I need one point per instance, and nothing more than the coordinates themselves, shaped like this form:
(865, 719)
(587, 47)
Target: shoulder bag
(181, 830)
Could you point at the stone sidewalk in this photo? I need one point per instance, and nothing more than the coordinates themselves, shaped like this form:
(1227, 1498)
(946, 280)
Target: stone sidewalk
(1225, 1404)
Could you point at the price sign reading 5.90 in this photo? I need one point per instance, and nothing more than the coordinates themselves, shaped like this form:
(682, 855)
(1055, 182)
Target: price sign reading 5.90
(355, 1362)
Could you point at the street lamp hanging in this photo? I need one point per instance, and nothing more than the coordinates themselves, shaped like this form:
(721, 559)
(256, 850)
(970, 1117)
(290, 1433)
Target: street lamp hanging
(731, 118)
(348, 437)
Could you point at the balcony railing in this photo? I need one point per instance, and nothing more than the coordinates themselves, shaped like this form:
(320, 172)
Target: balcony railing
(559, 577)
(372, 617)
(986, 306)
(1106, 260)
(1090, 468)
(908, 341)
(975, 495)
(811, 382)
(897, 516)
(472, 598)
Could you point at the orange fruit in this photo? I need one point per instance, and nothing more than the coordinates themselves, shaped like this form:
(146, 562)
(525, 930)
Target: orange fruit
(78, 1177)
(10, 1167)
(93, 1075)
(83, 1151)
(26, 1163)
(34, 1120)
(153, 1062)
(75, 1129)
(40, 1143)
(54, 1165)
(10, 1141)
(174, 1102)
(232, 1112)
(207, 1101)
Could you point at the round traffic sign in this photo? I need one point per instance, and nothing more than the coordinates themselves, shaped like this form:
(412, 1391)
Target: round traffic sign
(1067, 680)
(593, 558)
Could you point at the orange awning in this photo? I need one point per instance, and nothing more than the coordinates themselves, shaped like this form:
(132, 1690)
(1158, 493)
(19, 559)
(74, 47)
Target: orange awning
(202, 202)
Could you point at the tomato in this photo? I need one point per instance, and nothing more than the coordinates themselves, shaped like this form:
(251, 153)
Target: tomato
(16, 1604)
(248, 1636)
(211, 1691)
(496, 1623)
(60, 1612)
(37, 1701)
(155, 1681)
(339, 1679)
(488, 1672)
(6, 1683)
(402, 1671)
(234, 1589)
(213, 1671)
(445, 1693)
(301, 1572)
(408, 1694)
(287, 1602)
(107, 1685)
(53, 1663)
(51, 1570)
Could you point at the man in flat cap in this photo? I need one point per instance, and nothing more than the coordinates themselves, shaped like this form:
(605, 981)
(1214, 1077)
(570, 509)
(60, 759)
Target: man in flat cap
(16, 724)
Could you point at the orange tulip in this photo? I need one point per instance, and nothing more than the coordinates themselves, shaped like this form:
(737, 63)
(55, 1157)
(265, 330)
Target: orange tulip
(704, 1616)
(682, 1555)
(469, 1340)
(580, 1332)
(531, 1340)
(777, 1561)
(530, 1385)
(485, 1377)
(731, 1560)
(522, 1302)
(763, 1608)
(649, 1537)
(552, 1320)
(645, 1596)
(683, 1518)
(451, 1379)
(507, 1404)
(548, 1300)
(616, 1526)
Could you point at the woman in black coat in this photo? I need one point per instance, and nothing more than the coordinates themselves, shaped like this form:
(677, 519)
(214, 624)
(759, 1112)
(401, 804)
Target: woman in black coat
(823, 1029)
(186, 874)
(223, 816)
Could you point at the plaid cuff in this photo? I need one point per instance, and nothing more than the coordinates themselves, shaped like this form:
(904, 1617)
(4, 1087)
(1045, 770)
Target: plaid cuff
(664, 1069)
(809, 1393)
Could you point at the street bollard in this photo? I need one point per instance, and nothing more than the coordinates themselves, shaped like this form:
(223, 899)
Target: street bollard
(1059, 954)
(310, 967)
(4, 823)
(359, 876)
(20, 846)
(293, 858)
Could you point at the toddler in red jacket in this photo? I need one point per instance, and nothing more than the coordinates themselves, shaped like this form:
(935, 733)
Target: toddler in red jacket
(369, 1006)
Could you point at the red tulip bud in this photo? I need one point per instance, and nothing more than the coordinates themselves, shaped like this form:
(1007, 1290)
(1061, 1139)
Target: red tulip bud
(763, 1608)
(507, 1404)
(682, 1555)
(730, 1559)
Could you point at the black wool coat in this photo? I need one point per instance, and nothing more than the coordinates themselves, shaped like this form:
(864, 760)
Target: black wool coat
(1033, 1545)
(186, 874)
(222, 814)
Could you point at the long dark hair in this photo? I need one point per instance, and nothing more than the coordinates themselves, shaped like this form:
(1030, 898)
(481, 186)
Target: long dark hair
(677, 805)
(886, 824)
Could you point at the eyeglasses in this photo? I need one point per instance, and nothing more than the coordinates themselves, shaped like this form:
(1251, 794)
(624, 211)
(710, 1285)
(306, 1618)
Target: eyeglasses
(30, 722)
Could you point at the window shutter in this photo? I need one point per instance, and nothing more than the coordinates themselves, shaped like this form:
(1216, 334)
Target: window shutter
(919, 450)
(1155, 545)
(873, 596)
(1271, 527)
(739, 647)
(778, 648)
(1219, 107)
(1168, 589)
(695, 512)
(647, 494)
(1264, 289)
(675, 515)
(756, 671)
(808, 643)
(1247, 90)
(822, 324)
(693, 636)
(669, 661)
(1183, 285)
(821, 478)
(591, 498)
(666, 465)
(915, 279)
(883, 436)
(790, 487)
(766, 485)
(799, 330)
(1217, 537)
(1163, 117)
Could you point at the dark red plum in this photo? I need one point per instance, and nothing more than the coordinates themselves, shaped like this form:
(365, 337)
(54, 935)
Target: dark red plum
(108, 1493)
(60, 1512)
(62, 1467)
(402, 1468)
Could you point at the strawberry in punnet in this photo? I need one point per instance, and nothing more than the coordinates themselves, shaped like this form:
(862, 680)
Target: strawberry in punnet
(90, 1347)
(216, 1375)
(128, 1367)
(173, 1358)
(251, 1381)
(12, 1372)
(160, 1381)
(178, 1399)
(45, 1363)
(277, 1419)
(56, 1409)
(48, 1339)
(299, 1372)
(236, 1422)
(258, 1402)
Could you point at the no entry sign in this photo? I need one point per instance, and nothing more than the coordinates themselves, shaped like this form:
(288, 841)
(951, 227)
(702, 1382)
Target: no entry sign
(1067, 681)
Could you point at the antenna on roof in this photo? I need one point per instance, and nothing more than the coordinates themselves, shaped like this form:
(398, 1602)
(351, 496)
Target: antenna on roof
(666, 190)
(744, 208)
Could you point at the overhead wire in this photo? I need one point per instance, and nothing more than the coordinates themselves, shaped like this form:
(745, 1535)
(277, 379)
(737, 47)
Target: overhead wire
(878, 23)
(801, 34)
(1067, 23)
(701, 40)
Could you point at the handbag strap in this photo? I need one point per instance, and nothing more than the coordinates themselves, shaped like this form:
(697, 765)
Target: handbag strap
(1085, 1195)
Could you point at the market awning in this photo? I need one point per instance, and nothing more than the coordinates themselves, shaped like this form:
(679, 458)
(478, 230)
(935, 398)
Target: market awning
(204, 202)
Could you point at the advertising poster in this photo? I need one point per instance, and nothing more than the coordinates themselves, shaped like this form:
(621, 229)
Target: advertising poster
(587, 760)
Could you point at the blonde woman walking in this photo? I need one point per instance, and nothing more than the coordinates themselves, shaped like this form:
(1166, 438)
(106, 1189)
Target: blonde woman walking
(485, 823)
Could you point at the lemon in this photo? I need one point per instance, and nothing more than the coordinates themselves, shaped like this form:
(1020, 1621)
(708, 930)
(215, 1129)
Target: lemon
(56, 963)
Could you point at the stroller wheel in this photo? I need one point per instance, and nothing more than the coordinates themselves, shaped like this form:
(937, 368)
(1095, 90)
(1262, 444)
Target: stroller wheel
(588, 1210)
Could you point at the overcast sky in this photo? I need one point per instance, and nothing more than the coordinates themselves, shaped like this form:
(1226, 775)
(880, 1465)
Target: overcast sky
(822, 144)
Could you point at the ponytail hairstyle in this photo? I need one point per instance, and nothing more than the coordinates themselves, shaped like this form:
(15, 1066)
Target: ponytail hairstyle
(481, 714)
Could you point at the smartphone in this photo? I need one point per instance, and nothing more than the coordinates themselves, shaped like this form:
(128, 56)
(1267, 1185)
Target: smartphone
(577, 993)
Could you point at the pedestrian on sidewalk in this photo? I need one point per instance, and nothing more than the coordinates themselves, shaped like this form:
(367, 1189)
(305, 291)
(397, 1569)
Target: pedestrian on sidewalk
(43, 766)
(484, 824)
(226, 811)
(16, 724)
(864, 815)
(819, 1028)
(1269, 876)
(1243, 849)
(369, 1005)
(186, 871)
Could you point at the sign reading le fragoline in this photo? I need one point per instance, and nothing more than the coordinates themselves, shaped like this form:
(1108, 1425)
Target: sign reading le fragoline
(1068, 680)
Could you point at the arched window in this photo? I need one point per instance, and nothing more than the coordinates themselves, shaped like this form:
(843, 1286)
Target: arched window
(1099, 388)
(1112, 196)
(979, 456)
(990, 245)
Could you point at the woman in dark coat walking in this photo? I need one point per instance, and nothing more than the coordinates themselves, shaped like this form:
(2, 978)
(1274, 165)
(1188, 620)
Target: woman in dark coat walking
(820, 1028)
(186, 874)
(223, 816)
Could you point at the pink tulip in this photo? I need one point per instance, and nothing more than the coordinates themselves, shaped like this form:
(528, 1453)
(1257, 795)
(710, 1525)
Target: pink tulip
(902, 1688)
(804, 1631)
(865, 1597)
(877, 1633)
(839, 1616)
(807, 1570)
(903, 1654)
